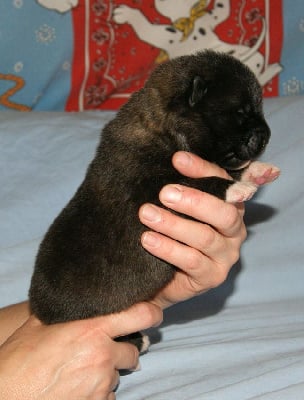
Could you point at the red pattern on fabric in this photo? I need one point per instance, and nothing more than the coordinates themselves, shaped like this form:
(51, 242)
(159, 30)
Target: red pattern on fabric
(110, 61)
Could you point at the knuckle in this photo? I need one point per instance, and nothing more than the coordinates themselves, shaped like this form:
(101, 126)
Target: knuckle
(234, 257)
(193, 260)
(207, 237)
(223, 268)
(151, 315)
(220, 276)
(231, 217)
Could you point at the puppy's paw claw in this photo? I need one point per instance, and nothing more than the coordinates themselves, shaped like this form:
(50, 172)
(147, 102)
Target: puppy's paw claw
(240, 191)
(260, 173)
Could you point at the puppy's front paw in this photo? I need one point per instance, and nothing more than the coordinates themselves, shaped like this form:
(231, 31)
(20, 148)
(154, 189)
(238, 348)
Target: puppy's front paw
(240, 191)
(260, 173)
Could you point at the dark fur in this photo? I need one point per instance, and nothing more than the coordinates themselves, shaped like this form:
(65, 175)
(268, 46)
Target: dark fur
(91, 261)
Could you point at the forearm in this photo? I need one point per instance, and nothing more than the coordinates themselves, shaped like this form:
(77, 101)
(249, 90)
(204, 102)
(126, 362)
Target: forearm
(11, 318)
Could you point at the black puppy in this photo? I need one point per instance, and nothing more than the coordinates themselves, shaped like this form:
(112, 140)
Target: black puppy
(91, 261)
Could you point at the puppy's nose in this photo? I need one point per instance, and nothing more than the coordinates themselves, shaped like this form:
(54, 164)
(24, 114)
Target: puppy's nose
(257, 141)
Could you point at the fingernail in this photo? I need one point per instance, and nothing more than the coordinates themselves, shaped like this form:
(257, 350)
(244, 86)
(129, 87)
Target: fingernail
(151, 213)
(171, 194)
(183, 159)
(149, 239)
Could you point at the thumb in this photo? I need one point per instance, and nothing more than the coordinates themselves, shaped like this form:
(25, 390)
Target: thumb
(193, 166)
(138, 317)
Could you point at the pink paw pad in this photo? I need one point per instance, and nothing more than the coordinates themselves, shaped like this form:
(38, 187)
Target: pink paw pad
(268, 176)
(261, 173)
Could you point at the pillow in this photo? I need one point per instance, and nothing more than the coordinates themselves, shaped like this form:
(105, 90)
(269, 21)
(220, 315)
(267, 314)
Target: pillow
(92, 54)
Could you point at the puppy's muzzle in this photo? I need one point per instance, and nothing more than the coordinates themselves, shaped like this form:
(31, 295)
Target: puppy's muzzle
(255, 143)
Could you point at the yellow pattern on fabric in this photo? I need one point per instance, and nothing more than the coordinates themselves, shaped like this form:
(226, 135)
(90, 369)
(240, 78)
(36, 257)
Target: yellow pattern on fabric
(185, 25)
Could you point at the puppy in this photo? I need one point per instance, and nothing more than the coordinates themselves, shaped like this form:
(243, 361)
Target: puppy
(91, 261)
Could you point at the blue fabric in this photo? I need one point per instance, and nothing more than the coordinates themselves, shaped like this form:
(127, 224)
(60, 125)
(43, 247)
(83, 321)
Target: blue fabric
(37, 44)
(292, 76)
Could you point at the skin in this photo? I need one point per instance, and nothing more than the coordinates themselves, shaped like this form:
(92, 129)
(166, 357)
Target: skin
(80, 359)
(77, 360)
(203, 250)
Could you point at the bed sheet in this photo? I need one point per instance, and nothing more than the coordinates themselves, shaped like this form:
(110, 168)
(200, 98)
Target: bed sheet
(241, 341)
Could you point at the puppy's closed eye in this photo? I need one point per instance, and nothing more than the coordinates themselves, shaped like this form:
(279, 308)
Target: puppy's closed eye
(244, 109)
(199, 89)
(240, 112)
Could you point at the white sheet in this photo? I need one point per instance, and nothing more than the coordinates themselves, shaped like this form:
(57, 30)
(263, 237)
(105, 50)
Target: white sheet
(244, 340)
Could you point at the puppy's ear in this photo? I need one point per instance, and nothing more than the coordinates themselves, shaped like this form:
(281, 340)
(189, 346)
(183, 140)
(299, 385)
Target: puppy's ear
(199, 89)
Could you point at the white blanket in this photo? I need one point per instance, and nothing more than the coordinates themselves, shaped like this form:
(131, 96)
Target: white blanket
(244, 340)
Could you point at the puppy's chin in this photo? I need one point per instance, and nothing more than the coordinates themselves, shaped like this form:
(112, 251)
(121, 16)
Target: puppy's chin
(245, 164)
(233, 163)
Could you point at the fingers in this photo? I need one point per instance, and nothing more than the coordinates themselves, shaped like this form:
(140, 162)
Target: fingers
(225, 218)
(196, 272)
(203, 249)
(198, 236)
(193, 166)
(203, 207)
(106, 382)
(139, 317)
(218, 238)
(126, 356)
(176, 253)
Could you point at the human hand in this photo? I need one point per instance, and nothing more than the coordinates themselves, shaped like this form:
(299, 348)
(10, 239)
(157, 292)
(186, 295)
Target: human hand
(74, 360)
(203, 250)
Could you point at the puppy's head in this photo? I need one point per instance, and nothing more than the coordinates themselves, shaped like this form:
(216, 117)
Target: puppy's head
(215, 101)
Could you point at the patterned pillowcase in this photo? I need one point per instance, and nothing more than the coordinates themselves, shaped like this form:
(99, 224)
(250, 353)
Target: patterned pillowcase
(92, 54)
